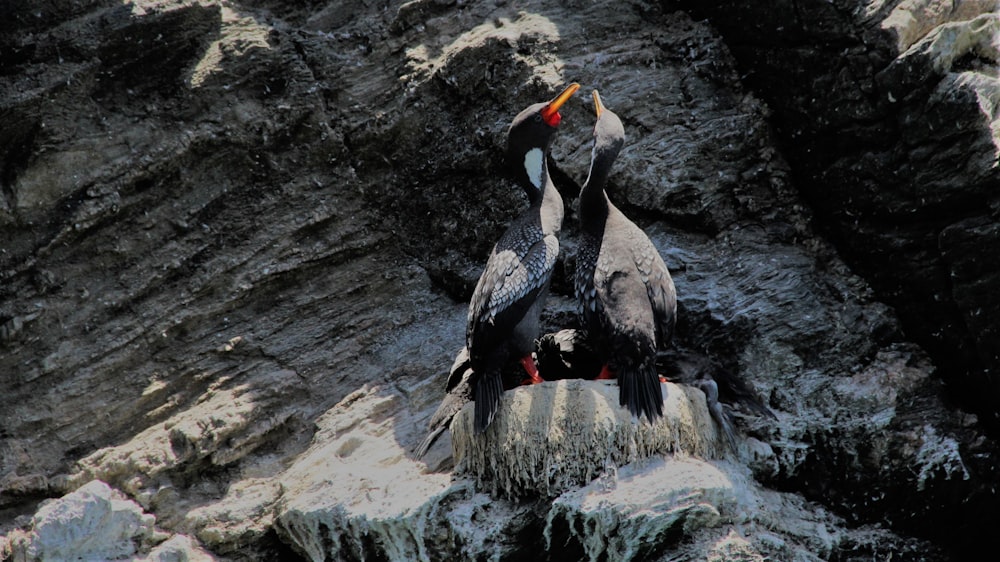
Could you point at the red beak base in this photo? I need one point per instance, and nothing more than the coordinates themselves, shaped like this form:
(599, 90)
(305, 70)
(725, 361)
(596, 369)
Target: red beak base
(550, 113)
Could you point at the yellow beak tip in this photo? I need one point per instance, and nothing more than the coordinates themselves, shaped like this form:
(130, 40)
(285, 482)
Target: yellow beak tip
(598, 106)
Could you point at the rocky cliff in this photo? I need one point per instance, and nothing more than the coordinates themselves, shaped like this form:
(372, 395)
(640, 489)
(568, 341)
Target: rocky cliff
(239, 238)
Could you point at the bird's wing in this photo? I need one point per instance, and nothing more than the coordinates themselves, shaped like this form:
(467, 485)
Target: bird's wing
(659, 287)
(583, 282)
(508, 286)
(458, 368)
(458, 393)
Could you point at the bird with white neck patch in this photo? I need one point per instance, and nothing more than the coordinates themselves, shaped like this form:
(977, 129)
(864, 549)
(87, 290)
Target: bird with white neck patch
(507, 302)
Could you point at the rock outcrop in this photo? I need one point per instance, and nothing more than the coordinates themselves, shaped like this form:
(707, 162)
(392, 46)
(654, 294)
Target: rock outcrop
(239, 239)
(98, 523)
(889, 111)
(562, 435)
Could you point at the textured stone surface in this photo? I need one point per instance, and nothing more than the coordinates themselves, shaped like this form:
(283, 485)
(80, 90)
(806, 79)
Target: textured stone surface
(238, 234)
(358, 494)
(622, 515)
(887, 111)
(709, 509)
(98, 523)
(553, 437)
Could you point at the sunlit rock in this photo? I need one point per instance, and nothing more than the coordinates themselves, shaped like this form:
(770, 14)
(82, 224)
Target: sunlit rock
(555, 436)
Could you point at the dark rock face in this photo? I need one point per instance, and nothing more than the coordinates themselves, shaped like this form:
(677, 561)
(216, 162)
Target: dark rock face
(887, 114)
(238, 239)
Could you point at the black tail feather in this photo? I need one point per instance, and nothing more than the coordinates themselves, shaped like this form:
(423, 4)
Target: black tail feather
(489, 389)
(458, 395)
(429, 440)
(640, 391)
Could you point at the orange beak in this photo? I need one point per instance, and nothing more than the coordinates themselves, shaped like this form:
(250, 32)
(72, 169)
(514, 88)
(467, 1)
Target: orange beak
(598, 106)
(550, 113)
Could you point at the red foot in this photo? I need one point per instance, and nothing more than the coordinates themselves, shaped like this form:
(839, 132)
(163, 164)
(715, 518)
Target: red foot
(529, 365)
(663, 379)
(606, 374)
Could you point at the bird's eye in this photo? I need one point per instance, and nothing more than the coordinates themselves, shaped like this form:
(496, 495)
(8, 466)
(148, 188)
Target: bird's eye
(538, 117)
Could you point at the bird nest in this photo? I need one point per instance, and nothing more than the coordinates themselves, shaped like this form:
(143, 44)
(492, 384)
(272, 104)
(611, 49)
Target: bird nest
(552, 437)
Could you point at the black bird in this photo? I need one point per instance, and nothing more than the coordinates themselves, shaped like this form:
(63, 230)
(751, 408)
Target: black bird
(626, 296)
(457, 394)
(567, 354)
(725, 391)
(503, 314)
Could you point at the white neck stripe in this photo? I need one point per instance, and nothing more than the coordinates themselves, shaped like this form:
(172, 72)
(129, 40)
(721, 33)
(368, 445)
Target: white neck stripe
(533, 164)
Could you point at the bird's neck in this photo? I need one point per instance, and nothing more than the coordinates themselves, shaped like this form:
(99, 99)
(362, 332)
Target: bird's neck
(594, 201)
(542, 193)
(551, 207)
(534, 175)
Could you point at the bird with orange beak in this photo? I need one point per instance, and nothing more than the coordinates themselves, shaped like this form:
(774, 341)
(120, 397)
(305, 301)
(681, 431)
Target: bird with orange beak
(510, 294)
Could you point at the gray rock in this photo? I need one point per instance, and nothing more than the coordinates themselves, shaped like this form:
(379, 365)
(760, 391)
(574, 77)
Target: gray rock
(97, 522)
(891, 123)
(92, 522)
(236, 235)
(557, 436)
(179, 548)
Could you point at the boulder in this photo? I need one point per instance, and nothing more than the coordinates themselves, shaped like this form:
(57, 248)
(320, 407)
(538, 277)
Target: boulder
(557, 436)
(891, 120)
(97, 522)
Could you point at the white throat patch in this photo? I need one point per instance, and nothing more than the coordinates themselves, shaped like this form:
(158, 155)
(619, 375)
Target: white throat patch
(533, 162)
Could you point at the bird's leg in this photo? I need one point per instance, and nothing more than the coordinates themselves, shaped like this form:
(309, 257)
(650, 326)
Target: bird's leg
(606, 374)
(529, 366)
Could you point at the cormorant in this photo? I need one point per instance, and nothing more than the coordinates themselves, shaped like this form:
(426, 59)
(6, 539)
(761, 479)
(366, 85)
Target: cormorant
(458, 393)
(507, 301)
(626, 296)
(725, 392)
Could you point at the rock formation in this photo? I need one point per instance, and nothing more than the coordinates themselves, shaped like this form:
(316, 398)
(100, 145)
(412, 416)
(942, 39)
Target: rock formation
(239, 238)
(98, 523)
(891, 119)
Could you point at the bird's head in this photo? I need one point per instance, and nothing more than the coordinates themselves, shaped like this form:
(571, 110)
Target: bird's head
(530, 135)
(609, 134)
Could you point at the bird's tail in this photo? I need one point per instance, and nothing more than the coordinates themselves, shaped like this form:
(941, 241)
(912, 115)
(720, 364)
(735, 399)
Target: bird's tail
(458, 394)
(640, 390)
(487, 393)
(450, 405)
(425, 445)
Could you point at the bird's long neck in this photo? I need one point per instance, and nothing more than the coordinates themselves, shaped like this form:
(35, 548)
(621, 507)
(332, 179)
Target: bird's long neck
(542, 193)
(593, 199)
(551, 207)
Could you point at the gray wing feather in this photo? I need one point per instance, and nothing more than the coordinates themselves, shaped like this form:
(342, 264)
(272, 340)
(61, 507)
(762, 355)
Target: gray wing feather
(508, 278)
(659, 287)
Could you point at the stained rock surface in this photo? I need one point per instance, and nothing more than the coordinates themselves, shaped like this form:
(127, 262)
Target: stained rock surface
(889, 111)
(239, 237)
(554, 437)
(96, 522)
